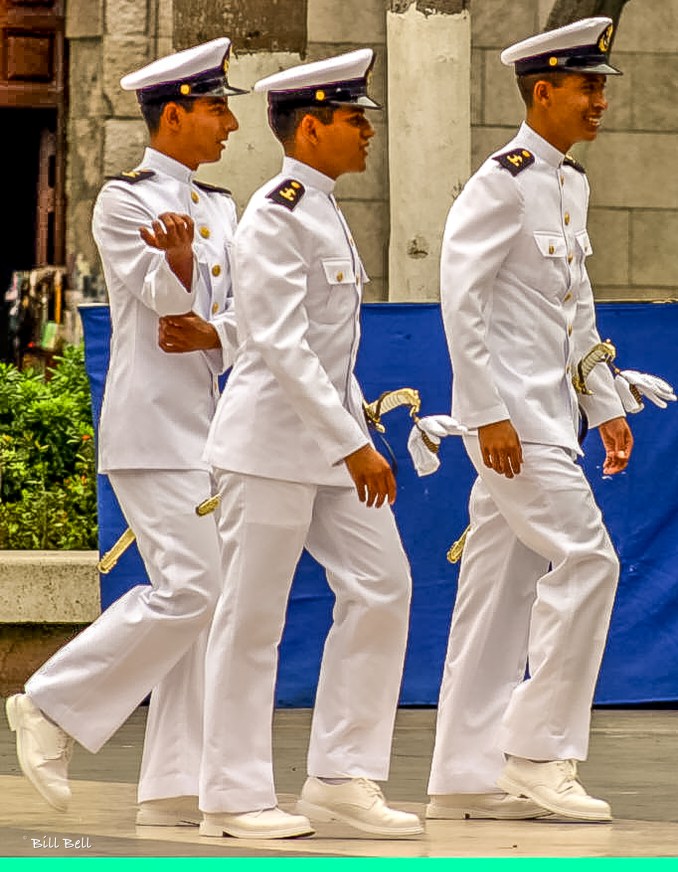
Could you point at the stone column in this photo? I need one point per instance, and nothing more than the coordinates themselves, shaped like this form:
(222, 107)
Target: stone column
(429, 57)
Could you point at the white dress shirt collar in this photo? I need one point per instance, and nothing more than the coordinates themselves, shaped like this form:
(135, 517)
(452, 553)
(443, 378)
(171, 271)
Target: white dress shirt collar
(307, 175)
(157, 160)
(537, 144)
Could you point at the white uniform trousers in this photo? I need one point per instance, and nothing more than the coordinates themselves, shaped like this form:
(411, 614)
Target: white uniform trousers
(536, 589)
(264, 526)
(152, 638)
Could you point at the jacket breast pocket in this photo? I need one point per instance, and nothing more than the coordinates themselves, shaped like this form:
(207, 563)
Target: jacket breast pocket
(550, 244)
(338, 271)
(331, 294)
(551, 264)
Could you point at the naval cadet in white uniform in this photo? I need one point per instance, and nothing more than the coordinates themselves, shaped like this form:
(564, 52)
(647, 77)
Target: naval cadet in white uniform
(163, 238)
(296, 468)
(539, 572)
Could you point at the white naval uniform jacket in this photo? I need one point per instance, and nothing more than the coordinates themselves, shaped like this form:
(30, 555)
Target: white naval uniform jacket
(516, 299)
(157, 406)
(292, 408)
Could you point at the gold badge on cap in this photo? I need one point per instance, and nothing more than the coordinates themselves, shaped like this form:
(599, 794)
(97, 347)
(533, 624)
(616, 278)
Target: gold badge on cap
(319, 95)
(553, 62)
(606, 39)
(185, 89)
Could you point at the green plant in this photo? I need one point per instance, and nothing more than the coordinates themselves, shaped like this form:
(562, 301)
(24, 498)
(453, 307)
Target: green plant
(47, 468)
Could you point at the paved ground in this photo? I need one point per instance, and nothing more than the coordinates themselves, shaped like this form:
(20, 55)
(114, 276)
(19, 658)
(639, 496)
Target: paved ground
(633, 764)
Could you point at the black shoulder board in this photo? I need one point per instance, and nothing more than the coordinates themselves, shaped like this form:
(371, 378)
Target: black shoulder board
(516, 160)
(287, 194)
(569, 161)
(133, 176)
(204, 186)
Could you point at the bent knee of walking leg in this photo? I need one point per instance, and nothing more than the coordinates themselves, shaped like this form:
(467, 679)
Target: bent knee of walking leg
(190, 604)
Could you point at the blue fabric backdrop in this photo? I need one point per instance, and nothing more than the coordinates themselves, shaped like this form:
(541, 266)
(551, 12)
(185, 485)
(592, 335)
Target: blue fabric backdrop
(403, 344)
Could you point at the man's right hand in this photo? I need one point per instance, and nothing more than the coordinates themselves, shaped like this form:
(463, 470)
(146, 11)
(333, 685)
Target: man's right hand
(173, 233)
(500, 447)
(372, 476)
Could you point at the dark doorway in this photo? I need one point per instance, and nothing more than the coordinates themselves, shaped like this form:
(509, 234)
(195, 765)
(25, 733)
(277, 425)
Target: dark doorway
(27, 153)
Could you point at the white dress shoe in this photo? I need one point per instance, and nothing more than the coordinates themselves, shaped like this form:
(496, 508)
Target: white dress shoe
(270, 823)
(483, 806)
(358, 802)
(44, 750)
(173, 812)
(553, 785)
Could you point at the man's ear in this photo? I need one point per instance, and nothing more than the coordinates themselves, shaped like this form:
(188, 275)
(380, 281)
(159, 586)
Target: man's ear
(172, 115)
(308, 129)
(541, 93)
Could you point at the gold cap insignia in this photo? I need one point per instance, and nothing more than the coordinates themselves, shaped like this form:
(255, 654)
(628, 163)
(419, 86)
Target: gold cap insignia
(319, 95)
(553, 62)
(185, 89)
(606, 39)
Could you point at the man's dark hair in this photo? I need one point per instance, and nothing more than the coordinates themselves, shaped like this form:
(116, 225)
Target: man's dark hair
(152, 111)
(286, 118)
(527, 82)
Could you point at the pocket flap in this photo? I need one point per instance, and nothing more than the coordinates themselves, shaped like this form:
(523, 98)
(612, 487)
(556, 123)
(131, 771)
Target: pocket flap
(584, 242)
(550, 244)
(338, 271)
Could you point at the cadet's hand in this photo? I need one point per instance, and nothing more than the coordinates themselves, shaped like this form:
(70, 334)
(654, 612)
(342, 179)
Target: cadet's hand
(372, 476)
(500, 447)
(618, 443)
(180, 333)
(173, 234)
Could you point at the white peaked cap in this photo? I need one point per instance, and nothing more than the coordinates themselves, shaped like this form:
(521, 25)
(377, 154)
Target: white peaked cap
(337, 80)
(580, 47)
(201, 71)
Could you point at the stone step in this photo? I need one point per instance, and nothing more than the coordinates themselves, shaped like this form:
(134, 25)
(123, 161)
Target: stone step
(49, 587)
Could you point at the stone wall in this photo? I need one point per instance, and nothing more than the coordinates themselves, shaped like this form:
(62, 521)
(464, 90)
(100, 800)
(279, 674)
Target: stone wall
(106, 39)
(634, 204)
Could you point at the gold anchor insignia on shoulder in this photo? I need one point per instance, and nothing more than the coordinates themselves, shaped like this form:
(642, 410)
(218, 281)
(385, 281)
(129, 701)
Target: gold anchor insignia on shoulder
(134, 176)
(516, 160)
(287, 194)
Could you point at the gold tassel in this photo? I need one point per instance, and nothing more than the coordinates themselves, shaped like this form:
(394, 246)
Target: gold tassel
(457, 548)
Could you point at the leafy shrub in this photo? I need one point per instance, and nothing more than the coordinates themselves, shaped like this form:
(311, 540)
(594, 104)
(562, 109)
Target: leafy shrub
(47, 470)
